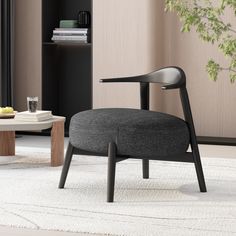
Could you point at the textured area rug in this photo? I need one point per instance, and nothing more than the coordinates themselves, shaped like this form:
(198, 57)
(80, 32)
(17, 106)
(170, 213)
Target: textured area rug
(169, 203)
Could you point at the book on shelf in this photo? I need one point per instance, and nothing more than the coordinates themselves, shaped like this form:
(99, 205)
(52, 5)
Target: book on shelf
(33, 116)
(70, 31)
(71, 41)
(70, 38)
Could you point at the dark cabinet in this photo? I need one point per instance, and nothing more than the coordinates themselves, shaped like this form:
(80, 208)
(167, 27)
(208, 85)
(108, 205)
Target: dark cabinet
(66, 67)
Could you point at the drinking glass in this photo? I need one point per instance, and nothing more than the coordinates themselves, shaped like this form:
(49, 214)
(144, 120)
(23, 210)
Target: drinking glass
(32, 103)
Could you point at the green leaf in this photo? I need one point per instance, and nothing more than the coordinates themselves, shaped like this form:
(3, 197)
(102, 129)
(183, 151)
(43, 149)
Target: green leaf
(232, 77)
(213, 70)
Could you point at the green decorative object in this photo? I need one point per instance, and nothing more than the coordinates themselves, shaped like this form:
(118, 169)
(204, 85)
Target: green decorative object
(68, 24)
(206, 17)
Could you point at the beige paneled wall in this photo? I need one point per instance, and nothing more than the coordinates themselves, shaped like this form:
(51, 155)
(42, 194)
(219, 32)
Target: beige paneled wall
(132, 37)
(213, 104)
(126, 41)
(27, 63)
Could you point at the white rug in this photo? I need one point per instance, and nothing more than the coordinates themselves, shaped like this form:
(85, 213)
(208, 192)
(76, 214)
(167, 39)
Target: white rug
(169, 203)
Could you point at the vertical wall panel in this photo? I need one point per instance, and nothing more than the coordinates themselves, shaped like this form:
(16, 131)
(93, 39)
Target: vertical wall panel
(27, 64)
(125, 43)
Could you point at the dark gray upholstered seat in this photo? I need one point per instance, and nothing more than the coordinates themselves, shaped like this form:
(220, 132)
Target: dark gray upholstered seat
(138, 133)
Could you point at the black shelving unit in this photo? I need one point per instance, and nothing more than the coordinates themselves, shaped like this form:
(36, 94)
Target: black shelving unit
(6, 30)
(66, 67)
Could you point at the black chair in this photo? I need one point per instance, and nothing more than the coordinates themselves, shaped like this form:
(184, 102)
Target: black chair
(122, 133)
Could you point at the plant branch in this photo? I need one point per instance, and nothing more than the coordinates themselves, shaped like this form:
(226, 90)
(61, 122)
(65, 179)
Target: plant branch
(206, 17)
(224, 25)
(227, 68)
(232, 30)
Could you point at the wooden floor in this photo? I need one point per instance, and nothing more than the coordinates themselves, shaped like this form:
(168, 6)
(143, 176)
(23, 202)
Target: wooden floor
(41, 141)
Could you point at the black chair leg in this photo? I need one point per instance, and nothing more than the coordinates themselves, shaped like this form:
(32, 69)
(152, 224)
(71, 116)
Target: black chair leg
(111, 171)
(198, 167)
(145, 168)
(66, 166)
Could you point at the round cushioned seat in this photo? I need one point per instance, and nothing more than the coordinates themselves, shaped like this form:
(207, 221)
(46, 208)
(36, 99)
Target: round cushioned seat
(138, 133)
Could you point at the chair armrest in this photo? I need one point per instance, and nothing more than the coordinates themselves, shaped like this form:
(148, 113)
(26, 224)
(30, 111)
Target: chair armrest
(123, 79)
(137, 79)
(173, 80)
(117, 80)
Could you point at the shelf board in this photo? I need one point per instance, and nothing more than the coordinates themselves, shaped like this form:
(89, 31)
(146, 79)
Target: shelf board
(67, 44)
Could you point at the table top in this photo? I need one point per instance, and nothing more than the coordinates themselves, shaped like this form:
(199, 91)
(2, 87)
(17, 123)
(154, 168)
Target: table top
(16, 125)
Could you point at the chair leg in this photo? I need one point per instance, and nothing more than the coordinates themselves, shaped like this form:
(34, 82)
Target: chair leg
(145, 168)
(198, 167)
(111, 171)
(66, 166)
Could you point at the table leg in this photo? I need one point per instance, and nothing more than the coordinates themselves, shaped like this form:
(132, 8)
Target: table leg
(57, 143)
(7, 143)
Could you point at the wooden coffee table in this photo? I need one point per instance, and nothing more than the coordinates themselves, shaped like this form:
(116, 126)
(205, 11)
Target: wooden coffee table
(9, 126)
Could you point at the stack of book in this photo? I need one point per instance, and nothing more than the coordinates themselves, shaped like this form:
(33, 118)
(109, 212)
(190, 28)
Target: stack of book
(76, 35)
(33, 116)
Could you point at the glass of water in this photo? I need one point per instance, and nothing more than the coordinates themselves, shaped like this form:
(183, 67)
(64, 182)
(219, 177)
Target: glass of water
(32, 103)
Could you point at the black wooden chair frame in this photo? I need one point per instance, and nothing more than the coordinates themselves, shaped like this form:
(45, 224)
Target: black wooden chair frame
(169, 78)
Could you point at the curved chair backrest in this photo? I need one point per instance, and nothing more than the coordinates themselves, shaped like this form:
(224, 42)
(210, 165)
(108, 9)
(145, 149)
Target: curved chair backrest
(170, 78)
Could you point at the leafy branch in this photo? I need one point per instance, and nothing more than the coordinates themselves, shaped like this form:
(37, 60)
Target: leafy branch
(205, 16)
